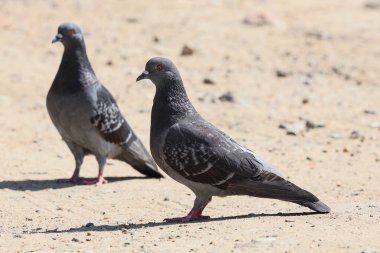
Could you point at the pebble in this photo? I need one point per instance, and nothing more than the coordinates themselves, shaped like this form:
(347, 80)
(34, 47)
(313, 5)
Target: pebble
(354, 135)
(373, 5)
(293, 128)
(375, 124)
(208, 81)
(90, 224)
(319, 35)
(368, 111)
(227, 97)
(186, 50)
(281, 73)
(336, 136)
(310, 124)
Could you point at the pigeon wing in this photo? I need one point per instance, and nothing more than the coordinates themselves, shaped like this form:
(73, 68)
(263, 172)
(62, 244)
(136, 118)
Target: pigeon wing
(108, 119)
(204, 154)
(201, 153)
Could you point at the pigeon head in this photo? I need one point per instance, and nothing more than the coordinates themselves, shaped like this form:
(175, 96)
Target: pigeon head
(160, 71)
(68, 33)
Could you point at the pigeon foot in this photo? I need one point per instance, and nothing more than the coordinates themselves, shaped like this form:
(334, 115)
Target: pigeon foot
(73, 179)
(194, 215)
(99, 181)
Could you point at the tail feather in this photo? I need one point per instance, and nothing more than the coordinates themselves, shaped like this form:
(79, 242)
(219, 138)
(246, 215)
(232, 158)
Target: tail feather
(317, 206)
(135, 154)
(272, 186)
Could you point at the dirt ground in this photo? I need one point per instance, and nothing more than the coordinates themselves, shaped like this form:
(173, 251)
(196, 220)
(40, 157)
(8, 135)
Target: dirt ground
(279, 62)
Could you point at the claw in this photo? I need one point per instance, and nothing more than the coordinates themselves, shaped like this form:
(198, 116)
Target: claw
(99, 181)
(187, 218)
(73, 179)
(194, 215)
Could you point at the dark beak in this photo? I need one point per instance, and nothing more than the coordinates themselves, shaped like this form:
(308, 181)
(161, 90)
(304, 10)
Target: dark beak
(57, 37)
(144, 75)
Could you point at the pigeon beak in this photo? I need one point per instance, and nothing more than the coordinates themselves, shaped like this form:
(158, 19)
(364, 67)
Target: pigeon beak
(57, 37)
(144, 75)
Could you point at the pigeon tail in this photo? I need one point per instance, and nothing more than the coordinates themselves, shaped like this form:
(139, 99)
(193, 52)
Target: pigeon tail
(148, 168)
(139, 158)
(281, 189)
(317, 206)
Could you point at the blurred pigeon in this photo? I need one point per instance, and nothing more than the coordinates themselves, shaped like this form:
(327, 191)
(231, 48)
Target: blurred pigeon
(87, 116)
(197, 154)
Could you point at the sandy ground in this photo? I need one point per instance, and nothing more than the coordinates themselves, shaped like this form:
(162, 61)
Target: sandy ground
(281, 60)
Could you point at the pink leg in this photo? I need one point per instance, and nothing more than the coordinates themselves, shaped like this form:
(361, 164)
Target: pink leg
(200, 203)
(194, 215)
(98, 181)
(75, 179)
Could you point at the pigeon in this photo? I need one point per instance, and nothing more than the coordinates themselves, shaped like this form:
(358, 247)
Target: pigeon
(197, 154)
(87, 116)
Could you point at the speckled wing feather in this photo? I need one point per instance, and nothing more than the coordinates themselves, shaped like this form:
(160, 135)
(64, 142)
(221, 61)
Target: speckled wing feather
(202, 153)
(108, 119)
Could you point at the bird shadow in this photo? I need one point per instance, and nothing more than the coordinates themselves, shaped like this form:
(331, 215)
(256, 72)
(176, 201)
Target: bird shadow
(39, 185)
(130, 226)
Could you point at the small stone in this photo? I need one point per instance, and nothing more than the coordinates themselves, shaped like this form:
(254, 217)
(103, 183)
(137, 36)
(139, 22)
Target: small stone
(345, 150)
(375, 124)
(88, 239)
(373, 5)
(109, 63)
(305, 101)
(368, 111)
(132, 20)
(75, 240)
(166, 199)
(186, 50)
(90, 224)
(335, 136)
(319, 35)
(312, 124)
(208, 81)
(259, 19)
(293, 128)
(354, 135)
(227, 97)
(282, 73)
(156, 39)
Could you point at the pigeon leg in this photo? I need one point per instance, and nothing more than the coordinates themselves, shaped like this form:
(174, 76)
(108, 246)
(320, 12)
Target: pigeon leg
(100, 179)
(78, 163)
(196, 212)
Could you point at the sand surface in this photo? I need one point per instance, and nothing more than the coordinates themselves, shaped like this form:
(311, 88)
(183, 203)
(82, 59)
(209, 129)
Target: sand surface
(280, 60)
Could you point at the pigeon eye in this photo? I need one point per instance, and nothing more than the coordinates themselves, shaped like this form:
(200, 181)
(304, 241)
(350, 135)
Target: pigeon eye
(71, 32)
(159, 67)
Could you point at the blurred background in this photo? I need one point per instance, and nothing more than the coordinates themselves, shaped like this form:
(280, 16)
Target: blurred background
(295, 81)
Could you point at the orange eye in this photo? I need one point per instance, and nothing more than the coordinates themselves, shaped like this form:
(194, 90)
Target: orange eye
(71, 32)
(159, 67)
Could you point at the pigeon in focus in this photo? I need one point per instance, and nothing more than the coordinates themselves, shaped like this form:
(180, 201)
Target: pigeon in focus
(197, 154)
(87, 116)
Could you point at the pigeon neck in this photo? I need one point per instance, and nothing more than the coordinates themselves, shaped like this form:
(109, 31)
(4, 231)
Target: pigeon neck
(171, 103)
(75, 68)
